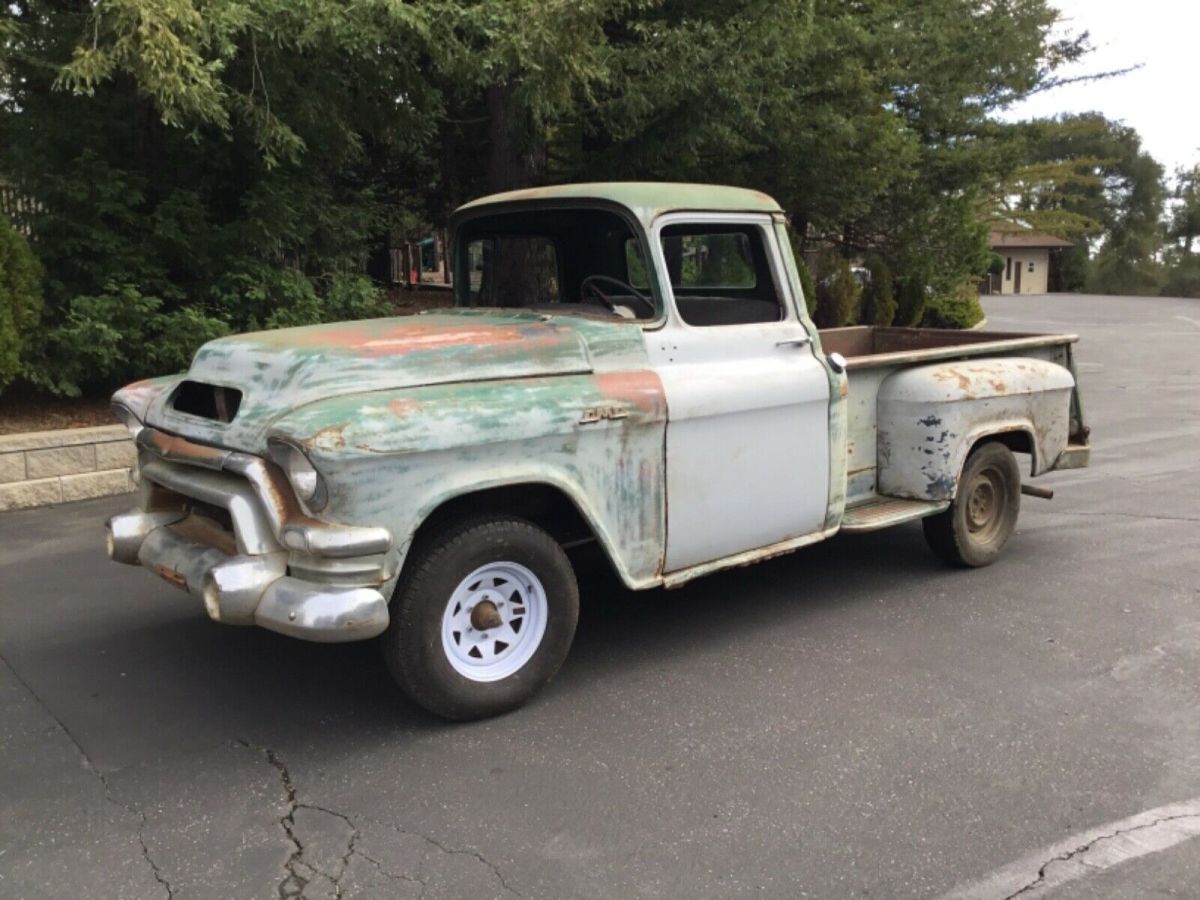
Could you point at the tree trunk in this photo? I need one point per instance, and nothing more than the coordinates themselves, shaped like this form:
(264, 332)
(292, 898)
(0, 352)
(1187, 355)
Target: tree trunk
(514, 158)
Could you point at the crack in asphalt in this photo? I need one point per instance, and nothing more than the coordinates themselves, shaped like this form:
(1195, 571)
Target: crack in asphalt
(109, 796)
(449, 851)
(1125, 515)
(387, 873)
(295, 880)
(1091, 845)
(158, 876)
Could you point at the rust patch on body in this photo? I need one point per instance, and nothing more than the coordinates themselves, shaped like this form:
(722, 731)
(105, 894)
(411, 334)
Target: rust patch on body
(403, 406)
(964, 383)
(328, 438)
(406, 337)
(171, 576)
(202, 530)
(640, 388)
(170, 446)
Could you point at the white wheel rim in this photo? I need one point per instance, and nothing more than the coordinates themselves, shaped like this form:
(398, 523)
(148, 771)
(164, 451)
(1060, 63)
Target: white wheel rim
(517, 599)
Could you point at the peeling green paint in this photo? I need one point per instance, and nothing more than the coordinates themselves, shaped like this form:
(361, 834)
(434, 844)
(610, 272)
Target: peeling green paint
(647, 200)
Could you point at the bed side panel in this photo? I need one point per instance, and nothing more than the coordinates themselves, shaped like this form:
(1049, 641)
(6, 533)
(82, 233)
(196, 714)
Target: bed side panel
(930, 416)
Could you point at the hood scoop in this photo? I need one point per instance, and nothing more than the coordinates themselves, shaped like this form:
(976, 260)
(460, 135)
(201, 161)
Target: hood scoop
(208, 401)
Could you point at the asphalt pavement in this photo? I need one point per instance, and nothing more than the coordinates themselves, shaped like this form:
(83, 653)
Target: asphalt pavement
(853, 720)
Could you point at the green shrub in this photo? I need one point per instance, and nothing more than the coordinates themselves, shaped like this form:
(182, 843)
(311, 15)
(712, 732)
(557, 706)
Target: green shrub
(879, 295)
(911, 296)
(1183, 279)
(20, 299)
(1118, 269)
(1069, 272)
(960, 308)
(838, 293)
(808, 286)
(352, 297)
(116, 336)
(266, 297)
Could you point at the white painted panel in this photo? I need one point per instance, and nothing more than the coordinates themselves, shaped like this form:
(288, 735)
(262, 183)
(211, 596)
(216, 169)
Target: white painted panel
(748, 428)
(861, 459)
(747, 445)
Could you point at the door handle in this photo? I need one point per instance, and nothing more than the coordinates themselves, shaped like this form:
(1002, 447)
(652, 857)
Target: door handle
(797, 342)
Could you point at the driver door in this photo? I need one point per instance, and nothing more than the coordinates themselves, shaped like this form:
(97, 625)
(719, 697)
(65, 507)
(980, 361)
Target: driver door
(748, 400)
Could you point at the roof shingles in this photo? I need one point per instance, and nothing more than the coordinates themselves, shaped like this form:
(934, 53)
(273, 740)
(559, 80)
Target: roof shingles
(1025, 240)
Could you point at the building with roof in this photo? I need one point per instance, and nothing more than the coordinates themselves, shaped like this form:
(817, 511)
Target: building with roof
(1027, 256)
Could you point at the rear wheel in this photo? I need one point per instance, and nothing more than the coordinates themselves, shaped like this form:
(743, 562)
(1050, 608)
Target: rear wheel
(482, 618)
(983, 516)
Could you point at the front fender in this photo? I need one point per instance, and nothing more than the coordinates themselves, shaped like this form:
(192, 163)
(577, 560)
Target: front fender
(930, 417)
(138, 397)
(392, 457)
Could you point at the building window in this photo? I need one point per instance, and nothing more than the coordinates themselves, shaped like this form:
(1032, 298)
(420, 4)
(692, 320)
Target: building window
(1031, 265)
(1008, 268)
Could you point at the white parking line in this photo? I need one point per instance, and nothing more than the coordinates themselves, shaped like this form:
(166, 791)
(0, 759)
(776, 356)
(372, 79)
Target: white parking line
(1195, 322)
(1087, 853)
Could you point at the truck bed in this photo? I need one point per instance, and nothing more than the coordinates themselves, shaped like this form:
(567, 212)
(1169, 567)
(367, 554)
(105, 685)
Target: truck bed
(873, 353)
(869, 345)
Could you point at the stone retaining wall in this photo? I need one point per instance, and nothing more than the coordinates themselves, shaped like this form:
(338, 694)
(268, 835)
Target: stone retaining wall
(41, 468)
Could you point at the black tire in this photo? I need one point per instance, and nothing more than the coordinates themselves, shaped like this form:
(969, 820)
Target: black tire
(983, 516)
(413, 643)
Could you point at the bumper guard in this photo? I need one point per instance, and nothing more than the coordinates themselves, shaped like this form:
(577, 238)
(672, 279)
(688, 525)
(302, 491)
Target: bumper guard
(242, 576)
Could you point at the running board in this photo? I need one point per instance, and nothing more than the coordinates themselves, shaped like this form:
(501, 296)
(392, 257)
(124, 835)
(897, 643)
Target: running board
(882, 512)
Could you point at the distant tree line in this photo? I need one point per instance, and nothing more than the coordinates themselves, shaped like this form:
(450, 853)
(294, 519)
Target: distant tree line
(191, 167)
(1089, 180)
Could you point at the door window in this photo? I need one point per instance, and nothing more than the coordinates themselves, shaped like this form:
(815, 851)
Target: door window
(720, 274)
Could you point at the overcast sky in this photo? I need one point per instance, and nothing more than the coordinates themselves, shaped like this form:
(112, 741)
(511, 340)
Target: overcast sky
(1158, 99)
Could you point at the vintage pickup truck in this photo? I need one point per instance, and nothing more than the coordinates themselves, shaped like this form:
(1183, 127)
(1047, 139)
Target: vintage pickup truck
(625, 364)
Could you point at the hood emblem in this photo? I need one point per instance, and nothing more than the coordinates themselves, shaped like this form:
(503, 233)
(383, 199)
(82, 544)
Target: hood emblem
(597, 413)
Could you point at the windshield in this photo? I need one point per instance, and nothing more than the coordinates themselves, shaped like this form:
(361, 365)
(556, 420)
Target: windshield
(583, 261)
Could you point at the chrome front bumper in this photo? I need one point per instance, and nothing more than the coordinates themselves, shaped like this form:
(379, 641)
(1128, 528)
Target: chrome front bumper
(245, 574)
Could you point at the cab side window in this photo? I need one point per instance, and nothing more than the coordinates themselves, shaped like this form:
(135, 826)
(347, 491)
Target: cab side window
(720, 274)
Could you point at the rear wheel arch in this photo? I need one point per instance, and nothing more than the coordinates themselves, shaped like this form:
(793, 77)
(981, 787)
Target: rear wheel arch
(1017, 437)
(983, 514)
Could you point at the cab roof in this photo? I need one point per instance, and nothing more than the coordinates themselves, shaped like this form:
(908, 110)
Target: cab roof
(646, 200)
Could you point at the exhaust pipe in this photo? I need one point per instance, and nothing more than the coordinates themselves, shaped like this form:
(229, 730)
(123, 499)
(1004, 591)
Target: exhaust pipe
(1031, 491)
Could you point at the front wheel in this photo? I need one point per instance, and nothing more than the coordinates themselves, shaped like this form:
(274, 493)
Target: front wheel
(482, 618)
(983, 516)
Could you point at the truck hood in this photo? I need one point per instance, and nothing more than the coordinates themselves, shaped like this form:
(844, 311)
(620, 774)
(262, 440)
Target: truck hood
(280, 371)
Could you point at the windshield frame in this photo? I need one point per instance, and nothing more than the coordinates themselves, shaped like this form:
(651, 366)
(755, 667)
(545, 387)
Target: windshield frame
(462, 296)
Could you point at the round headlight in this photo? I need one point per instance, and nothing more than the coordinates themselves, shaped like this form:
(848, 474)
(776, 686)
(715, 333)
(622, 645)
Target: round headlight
(302, 475)
(305, 480)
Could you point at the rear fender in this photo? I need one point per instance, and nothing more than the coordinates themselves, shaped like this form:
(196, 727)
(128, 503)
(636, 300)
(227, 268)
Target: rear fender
(931, 416)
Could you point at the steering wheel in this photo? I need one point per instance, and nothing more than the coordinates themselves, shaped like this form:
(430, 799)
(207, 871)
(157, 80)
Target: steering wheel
(589, 287)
